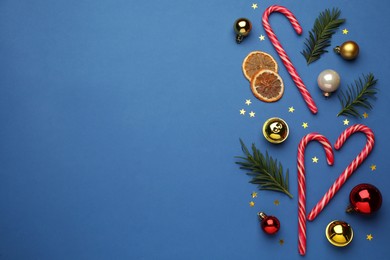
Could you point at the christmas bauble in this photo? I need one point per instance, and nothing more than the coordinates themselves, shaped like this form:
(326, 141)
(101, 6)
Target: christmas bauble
(269, 224)
(242, 28)
(349, 50)
(365, 198)
(339, 233)
(328, 81)
(275, 130)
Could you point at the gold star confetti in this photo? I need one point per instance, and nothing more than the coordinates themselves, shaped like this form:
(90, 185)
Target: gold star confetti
(346, 122)
(251, 204)
(281, 242)
(365, 115)
(254, 6)
(262, 37)
(315, 159)
(369, 237)
(345, 31)
(305, 125)
(252, 114)
(291, 109)
(276, 202)
(254, 194)
(248, 102)
(373, 167)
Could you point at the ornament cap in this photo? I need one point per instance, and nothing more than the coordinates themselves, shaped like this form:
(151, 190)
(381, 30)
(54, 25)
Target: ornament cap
(349, 209)
(239, 38)
(261, 215)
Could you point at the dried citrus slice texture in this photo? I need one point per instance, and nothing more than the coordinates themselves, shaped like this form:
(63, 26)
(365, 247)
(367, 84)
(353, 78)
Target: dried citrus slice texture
(258, 60)
(267, 85)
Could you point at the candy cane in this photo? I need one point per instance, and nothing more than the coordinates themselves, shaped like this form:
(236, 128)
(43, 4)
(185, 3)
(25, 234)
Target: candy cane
(351, 167)
(282, 54)
(302, 184)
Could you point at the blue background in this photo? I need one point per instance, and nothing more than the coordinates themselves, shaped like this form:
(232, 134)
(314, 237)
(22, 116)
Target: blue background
(120, 122)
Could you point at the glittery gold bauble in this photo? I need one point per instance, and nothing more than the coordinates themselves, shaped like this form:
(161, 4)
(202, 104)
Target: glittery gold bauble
(349, 50)
(275, 130)
(339, 233)
(242, 28)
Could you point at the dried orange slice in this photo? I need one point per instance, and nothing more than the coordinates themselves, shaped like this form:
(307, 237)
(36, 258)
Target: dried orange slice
(258, 60)
(267, 85)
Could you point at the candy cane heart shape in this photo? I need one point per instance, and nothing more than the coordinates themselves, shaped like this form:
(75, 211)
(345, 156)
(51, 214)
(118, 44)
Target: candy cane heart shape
(283, 55)
(351, 167)
(302, 183)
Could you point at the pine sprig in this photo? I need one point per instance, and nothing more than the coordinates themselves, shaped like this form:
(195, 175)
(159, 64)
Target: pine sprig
(358, 95)
(266, 172)
(324, 27)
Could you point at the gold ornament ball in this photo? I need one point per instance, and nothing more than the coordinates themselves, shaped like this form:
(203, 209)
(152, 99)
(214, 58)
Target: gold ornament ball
(275, 130)
(242, 27)
(339, 233)
(349, 50)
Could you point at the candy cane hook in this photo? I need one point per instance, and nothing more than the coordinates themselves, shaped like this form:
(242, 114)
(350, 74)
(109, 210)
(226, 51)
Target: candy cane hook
(302, 184)
(283, 55)
(351, 167)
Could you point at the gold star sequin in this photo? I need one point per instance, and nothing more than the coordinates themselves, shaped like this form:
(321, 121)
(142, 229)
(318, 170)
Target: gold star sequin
(252, 114)
(373, 167)
(251, 204)
(369, 237)
(291, 109)
(254, 6)
(305, 125)
(346, 122)
(281, 242)
(315, 159)
(262, 37)
(248, 102)
(254, 194)
(276, 202)
(345, 31)
(242, 112)
(365, 115)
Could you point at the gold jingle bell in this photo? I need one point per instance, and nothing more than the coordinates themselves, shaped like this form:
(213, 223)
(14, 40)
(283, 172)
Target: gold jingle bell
(349, 50)
(339, 233)
(242, 28)
(275, 130)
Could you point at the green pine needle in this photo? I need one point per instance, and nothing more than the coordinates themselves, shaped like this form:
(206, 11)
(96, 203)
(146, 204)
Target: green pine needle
(357, 96)
(324, 27)
(266, 172)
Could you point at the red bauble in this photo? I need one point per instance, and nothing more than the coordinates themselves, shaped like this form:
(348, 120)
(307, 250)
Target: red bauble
(269, 224)
(365, 198)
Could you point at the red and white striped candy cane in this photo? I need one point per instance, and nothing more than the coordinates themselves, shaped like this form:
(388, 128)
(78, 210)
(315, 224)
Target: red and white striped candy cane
(283, 55)
(302, 183)
(351, 167)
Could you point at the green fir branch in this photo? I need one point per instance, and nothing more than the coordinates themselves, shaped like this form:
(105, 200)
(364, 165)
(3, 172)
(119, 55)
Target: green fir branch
(266, 172)
(324, 27)
(357, 96)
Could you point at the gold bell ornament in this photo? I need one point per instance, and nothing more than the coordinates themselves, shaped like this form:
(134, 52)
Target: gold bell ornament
(242, 27)
(349, 50)
(339, 233)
